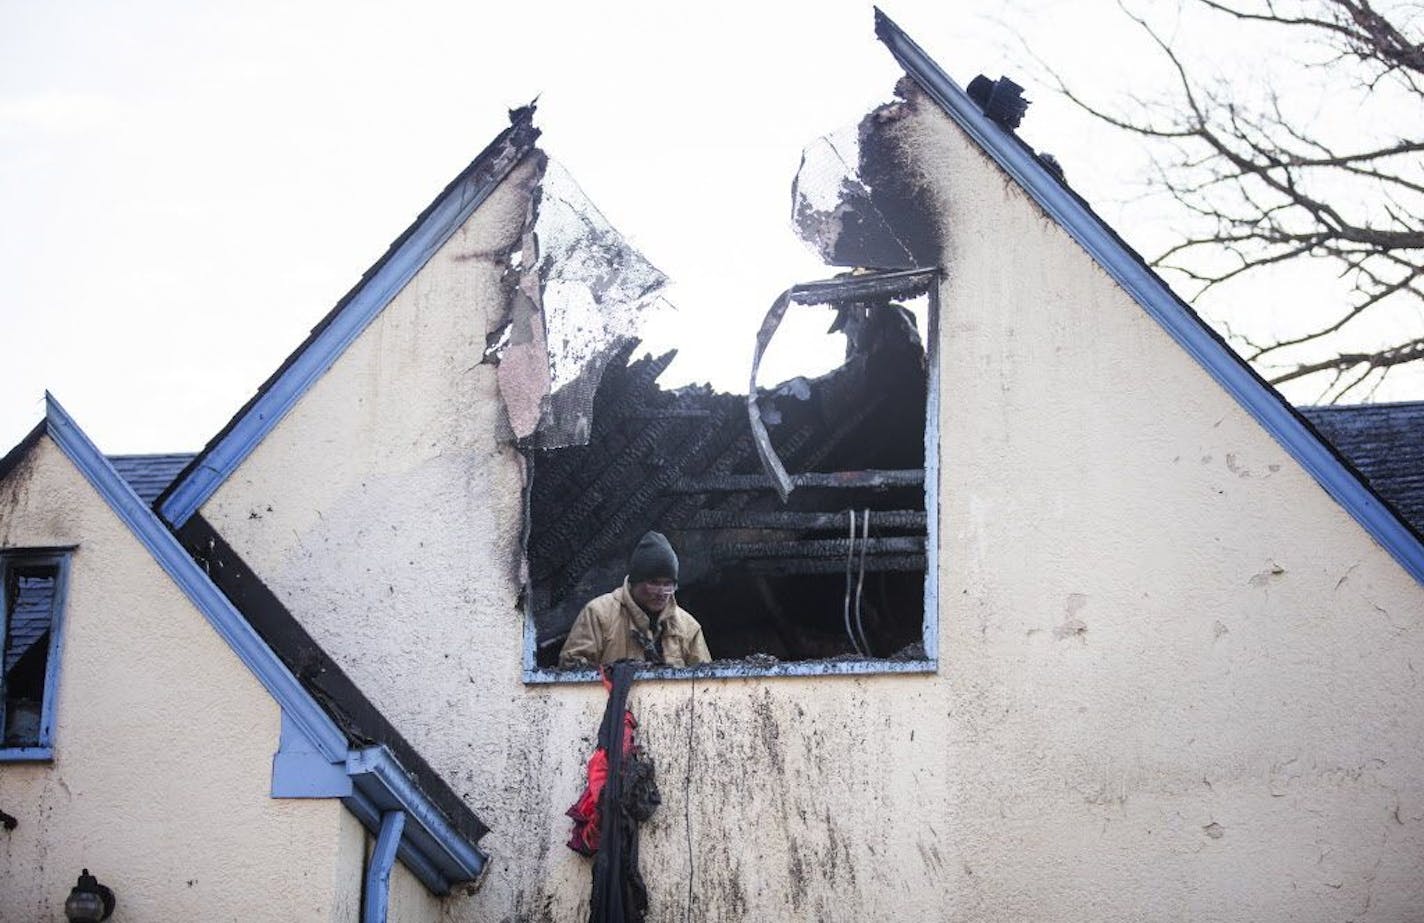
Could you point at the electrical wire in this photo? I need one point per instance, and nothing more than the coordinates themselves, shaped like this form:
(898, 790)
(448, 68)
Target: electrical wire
(687, 793)
(860, 584)
(850, 562)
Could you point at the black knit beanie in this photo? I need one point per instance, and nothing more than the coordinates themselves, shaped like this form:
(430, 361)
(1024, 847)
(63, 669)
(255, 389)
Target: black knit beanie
(652, 558)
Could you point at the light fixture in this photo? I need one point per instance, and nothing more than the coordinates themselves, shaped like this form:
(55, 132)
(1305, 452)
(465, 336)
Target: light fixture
(89, 901)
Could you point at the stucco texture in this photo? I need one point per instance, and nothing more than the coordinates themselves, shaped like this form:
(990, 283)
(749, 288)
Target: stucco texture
(1176, 679)
(160, 780)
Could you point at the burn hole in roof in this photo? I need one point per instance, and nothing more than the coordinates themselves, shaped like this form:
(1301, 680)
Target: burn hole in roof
(766, 578)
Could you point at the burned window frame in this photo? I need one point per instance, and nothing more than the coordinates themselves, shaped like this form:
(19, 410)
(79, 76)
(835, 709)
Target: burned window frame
(12, 559)
(928, 663)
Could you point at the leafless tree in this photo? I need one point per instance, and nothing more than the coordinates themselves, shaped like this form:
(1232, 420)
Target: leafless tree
(1263, 186)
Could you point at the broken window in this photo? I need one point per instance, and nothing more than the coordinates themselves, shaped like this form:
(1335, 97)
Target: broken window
(29, 616)
(799, 518)
(799, 511)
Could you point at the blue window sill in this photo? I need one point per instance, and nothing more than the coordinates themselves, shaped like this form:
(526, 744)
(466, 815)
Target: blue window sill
(26, 754)
(742, 670)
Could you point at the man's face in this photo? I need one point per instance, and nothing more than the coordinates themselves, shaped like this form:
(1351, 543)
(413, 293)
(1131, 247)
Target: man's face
(654, 595)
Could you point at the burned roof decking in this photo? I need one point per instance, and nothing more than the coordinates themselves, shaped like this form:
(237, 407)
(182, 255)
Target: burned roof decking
(685, 461)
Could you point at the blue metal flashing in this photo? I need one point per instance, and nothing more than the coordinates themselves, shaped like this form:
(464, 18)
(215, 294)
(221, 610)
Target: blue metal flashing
(929, 638)
(58, 558)
(26, 754)
(376, 900)
(1118, 260)
(744, 670)
(375, 782)
(345, 323)
(300, 770)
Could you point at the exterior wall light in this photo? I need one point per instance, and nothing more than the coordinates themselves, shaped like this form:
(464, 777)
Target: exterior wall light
(89, 901)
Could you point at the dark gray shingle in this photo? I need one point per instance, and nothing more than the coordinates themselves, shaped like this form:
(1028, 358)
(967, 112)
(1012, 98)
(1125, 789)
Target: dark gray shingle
(1386, 443)
(149, 474)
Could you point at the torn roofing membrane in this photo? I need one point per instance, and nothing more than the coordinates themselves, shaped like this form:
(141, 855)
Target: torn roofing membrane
(836, 213)
(582, 294)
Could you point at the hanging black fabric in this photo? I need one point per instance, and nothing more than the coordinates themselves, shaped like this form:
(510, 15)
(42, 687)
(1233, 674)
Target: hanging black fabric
(629, 795)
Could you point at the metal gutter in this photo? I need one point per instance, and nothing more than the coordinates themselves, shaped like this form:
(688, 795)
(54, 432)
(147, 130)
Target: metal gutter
(431, 846)
(376, 898)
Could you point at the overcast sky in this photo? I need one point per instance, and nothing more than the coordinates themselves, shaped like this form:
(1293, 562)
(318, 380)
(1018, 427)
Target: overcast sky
(186, 188)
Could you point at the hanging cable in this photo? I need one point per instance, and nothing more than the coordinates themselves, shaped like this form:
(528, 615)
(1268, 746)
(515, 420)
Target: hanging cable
(860, 583)
(850, 562)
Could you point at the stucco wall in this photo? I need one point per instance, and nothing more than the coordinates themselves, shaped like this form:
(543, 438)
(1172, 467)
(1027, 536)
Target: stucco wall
(163, 744)
(1176, 678)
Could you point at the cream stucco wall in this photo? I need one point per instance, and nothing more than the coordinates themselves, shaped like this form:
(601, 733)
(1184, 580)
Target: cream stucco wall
(1176, 679)
(163, 745)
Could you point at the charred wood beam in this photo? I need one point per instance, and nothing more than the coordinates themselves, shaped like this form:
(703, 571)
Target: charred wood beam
(868, 408)
(819, 548)
(674, 412)
(633, 508)
(732, 519)
(870, 286)
(876, 480)
(563, 536)
(787, 567)
(731, 456)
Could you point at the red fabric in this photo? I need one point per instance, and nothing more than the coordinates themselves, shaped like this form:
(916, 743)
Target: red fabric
(587, 823)
(584, 838)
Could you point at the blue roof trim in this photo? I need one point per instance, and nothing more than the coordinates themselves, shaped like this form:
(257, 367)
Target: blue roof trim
(430, 847)
(1259, 399)
(315, 724)
(347, 320)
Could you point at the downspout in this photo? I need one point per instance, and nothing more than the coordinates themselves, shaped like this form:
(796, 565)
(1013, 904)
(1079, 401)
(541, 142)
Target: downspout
(377, 890)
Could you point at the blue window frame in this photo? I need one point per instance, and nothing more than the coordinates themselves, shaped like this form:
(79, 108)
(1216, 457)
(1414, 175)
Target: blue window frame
(32, 592)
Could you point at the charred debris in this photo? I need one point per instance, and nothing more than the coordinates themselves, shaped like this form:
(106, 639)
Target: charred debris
(836, 569)
(798, 511)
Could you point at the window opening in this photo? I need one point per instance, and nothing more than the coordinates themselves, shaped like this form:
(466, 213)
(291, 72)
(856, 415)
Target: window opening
(29, 620)
(827, 563)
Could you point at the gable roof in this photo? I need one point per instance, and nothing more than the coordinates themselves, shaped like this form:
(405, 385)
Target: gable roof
(148, 475)
(439, 841)
(1385, 442)
(1131, 272)
(330, 337)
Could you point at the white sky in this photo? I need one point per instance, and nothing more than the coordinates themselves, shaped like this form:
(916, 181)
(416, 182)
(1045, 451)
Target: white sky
(186, 188)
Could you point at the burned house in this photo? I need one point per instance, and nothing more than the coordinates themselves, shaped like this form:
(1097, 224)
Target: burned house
(1039, 604)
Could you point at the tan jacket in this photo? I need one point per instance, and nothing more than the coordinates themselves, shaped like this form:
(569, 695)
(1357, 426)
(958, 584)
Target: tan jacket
(604, 632)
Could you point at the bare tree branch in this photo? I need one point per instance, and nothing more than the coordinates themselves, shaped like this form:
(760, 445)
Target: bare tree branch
(1262, 187)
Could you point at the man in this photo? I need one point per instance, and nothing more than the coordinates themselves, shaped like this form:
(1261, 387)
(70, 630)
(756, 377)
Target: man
(640, 620)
